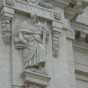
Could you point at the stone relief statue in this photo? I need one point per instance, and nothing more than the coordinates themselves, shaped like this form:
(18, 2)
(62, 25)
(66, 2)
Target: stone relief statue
(32, 42)
(36, 51)
(10, 2)
(42, 3)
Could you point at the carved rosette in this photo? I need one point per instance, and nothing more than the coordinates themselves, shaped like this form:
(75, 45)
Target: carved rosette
(6, 30)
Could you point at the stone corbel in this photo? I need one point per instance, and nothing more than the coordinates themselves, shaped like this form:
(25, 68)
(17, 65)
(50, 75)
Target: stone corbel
(6, 22)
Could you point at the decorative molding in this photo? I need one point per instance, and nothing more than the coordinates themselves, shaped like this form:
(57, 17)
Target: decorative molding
(34, 9)
(35, 79)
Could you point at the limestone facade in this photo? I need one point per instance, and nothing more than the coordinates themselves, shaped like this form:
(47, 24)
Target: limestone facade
(41, 45)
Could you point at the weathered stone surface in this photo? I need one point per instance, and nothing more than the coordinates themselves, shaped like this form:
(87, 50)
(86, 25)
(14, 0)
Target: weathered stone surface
(36, 46)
